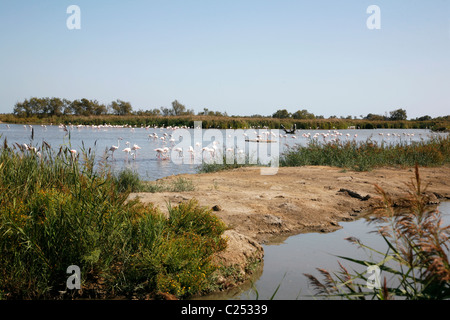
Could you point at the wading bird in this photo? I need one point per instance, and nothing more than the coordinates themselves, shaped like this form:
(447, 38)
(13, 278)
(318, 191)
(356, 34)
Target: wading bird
(114, 148)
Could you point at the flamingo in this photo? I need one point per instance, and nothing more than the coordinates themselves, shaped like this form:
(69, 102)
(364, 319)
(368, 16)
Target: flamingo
(127, 150)
(191, 151)
(135, 148)
(180, 151)
(162, 152)
(210, 150)
(114, 148)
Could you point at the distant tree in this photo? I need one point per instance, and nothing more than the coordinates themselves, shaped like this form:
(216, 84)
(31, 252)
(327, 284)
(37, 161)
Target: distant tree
(99, 109)
(205, 112)
(424, 118)
(76, 107)
(178, 108)
(154, 112)
(55, 106)
(374, 117)
(399, 114)
(120, 107)
(303, 114)
(281, 114)
(21, 109)
(166, 111)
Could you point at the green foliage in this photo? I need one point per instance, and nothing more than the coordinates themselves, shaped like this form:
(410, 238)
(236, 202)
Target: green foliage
(57, 211)
(368, 154)
(128, 180)
(399, 114)
(281, 114)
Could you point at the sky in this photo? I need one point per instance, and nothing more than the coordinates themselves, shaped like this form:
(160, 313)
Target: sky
(242, 57)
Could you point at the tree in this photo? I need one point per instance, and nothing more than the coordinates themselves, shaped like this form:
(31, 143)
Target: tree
(424, 118)
(55, 107)
(281, 114)
(21, 110)
(375, 117)
(303, 114)
(166, 111)
(120, 107)
(178, 108)
(99, 109)
(399, 114)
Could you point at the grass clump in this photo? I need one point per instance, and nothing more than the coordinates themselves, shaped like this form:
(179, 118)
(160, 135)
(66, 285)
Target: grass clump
(57, 211)
(128, 180)
(416, 261)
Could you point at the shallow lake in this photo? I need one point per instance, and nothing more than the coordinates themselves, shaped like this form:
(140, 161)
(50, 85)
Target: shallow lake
(146, 163)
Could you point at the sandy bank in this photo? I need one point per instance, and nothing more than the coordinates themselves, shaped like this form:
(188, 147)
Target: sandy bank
(295, 200)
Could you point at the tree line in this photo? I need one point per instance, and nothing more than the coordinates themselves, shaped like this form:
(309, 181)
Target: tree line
(47, 107)
(43, 107)
(396, 115)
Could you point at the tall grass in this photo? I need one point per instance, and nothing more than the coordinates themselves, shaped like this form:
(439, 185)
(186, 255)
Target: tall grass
(369, 154)
(416, 261)
(56, 210)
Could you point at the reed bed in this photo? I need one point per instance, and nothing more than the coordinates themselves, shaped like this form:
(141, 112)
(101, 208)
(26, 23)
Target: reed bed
(365, 155)
(59, 209)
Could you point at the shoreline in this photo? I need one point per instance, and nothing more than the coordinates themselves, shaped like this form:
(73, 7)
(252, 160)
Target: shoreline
(258, 209)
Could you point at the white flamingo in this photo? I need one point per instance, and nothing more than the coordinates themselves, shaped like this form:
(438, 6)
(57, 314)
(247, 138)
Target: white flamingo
(114, 148)
(135, 148)
(180, 151)
(162, 153)
(191, 151)
(127, 150)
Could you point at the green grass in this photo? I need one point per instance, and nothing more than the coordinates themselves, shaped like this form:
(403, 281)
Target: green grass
(128, 180)
(366, 155)
(57, 211)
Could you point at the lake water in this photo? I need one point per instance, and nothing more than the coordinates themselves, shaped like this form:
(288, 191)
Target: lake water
(149, 167)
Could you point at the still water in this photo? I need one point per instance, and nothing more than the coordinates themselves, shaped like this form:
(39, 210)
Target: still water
(146, 163)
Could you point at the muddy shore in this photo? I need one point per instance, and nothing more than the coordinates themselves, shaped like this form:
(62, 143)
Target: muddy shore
(296, 200)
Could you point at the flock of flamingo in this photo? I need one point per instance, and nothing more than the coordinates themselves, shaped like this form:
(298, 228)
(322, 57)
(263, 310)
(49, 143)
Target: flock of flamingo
(163, 152)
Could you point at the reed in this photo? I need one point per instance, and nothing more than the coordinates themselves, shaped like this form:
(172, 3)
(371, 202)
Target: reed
(415, 265)
(365, 155)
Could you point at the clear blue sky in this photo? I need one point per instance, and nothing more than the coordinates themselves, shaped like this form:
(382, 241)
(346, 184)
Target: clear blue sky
(240, 56)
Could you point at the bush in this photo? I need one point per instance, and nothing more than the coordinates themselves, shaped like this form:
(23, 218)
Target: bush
(57, 211)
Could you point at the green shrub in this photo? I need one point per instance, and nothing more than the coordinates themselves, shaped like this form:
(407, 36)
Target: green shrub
(57, 211)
